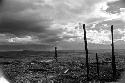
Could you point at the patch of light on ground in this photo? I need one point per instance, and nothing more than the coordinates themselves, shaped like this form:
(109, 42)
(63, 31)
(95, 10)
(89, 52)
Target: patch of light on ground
(3, 80)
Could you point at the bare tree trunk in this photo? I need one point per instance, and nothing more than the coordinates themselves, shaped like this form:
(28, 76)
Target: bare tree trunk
(86, 50)
(113, 57)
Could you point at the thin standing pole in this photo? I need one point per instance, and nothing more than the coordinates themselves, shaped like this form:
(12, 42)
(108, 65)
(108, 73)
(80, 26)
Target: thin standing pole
(113, 56)
(97, 62)
(55, 54)
(86, 50)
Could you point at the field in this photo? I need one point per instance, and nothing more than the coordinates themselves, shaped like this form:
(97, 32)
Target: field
(40, 66)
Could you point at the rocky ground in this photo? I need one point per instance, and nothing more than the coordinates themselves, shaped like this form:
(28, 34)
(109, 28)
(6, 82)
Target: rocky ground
(49, 71)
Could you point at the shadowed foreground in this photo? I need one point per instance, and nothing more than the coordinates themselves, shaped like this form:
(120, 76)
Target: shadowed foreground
(69, 69)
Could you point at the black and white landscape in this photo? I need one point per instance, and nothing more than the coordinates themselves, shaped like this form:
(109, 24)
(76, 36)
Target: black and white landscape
(62, 41)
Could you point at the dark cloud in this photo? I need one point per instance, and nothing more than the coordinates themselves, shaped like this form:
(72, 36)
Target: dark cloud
(38, 28)
(50, 36)
(1, 1)
(12, 22)
(33, 18)
(20, 18)
(123, 1)
(14, 5)
(114, 7)
(20, 26)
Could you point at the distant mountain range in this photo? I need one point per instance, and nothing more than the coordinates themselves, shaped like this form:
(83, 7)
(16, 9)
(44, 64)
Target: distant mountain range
(34, 47)
(40, 47)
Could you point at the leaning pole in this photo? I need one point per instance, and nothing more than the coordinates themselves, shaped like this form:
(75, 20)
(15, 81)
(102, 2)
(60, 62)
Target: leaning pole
(113, 57)
(86, 50)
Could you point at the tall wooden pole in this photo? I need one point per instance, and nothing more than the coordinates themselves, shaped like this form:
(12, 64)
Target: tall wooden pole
(55, 54)
(97, 62)
(113, 56)
(86, 50)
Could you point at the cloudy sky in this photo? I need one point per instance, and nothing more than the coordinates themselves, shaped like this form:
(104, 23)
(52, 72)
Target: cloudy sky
(59, 22)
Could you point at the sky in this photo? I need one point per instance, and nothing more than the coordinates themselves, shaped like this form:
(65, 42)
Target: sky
(59, 23)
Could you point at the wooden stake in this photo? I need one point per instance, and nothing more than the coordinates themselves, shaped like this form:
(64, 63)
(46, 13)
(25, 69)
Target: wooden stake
(55, 54)
(97, 62)
(86, 50)
(113, 57)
